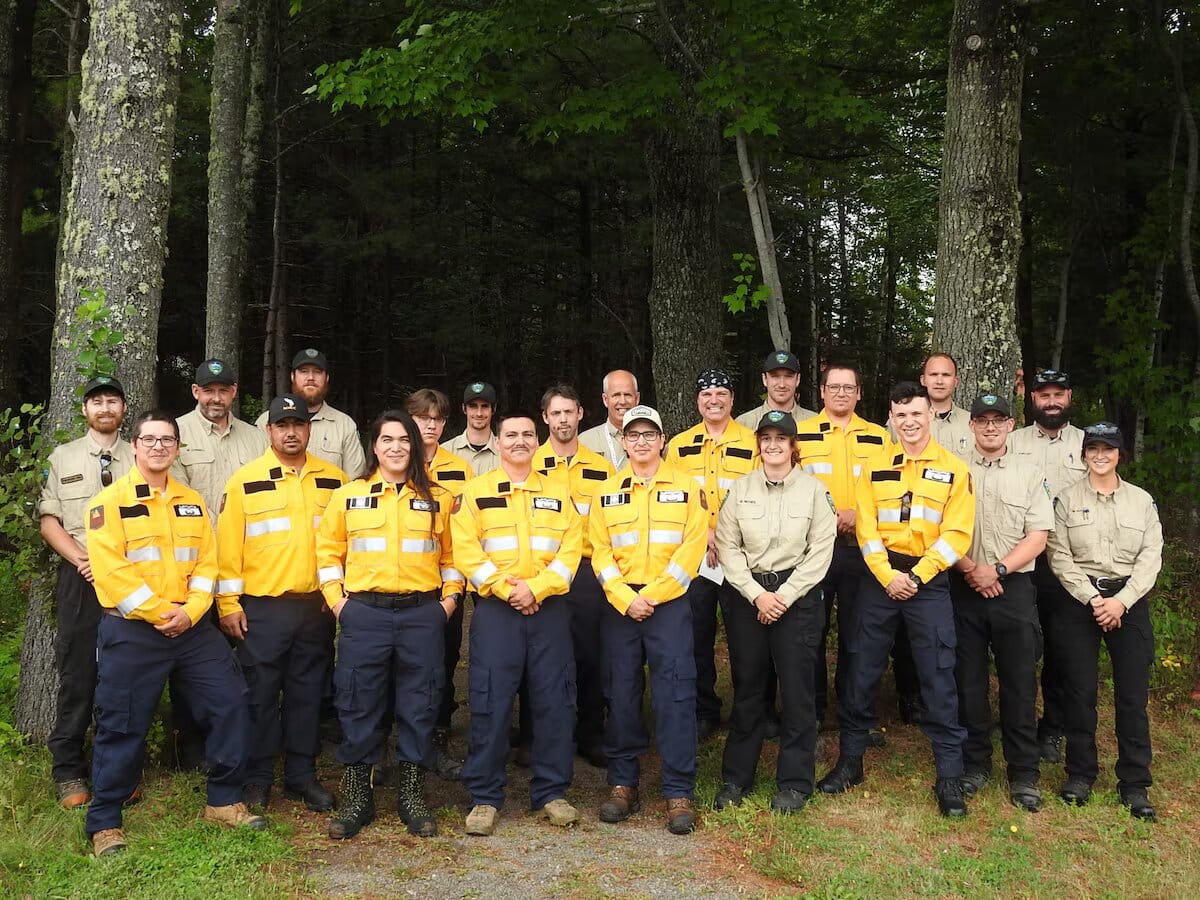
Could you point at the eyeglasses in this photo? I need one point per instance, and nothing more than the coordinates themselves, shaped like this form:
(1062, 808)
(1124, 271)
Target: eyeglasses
(1051, 376)
(434, 419)
(149, 440)
(106, 475)
(642, 437)
(841, 388)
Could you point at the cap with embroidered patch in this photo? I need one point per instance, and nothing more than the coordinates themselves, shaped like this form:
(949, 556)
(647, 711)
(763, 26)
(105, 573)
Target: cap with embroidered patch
(288, 406)
(776, 419)
(310, 356)
(990, 403)
(642, 413)
(103, 383)
(1050, 378)
(1104, 433)
(480, 390)
(215, 371)
(781, 359)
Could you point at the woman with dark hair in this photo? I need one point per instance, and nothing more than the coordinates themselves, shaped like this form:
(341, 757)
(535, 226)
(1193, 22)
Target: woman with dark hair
(386, 570)
(1106, 549)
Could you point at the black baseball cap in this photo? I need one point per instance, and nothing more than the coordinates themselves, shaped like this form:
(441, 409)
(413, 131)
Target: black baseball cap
(1050, 378)
(781, 359)
(215, 371)
(288, 406)
(776, 419)
(310, 356)
(1104, 433)
(480, 390)
(103, 383)
(990, 403)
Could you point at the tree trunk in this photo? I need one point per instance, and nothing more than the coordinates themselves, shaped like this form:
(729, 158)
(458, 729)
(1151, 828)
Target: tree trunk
(114, 241)
(76, 42)
(979, 232)
(226, 202)
(754, 184)
(1064, 295)
(814, 306)
(1025, 325)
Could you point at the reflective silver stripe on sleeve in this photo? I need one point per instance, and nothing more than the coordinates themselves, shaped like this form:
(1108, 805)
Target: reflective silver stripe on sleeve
(368, 545)
(725, 483)
(134, 600)
(316, 522)
(268, 526)
(549, 544)
(483, 573)
(187, 554)
(887, 515)
(926, 513)
(231, 586)
(327, 574)
(820, 468)
(946, 550)
(857, 470)
(625, 539)
(873, 547)
(607, 574)
(452, 575)
(699, 478)
(666, 537)
(144, 554)
(583, 508)
(491, 545)
(199, 583)
(415, 545)
(561, 571)
(676, 571)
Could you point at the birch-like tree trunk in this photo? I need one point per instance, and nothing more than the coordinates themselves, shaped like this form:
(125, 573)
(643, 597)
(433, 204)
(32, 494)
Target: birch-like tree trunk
(979, 230)
(226, 203)
(114, 240)
(755, 185)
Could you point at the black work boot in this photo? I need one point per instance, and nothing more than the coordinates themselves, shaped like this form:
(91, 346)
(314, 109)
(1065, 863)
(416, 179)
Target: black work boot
(951, 802)
(357, 807)
(847, 772)
(445, 766)
(410, 801)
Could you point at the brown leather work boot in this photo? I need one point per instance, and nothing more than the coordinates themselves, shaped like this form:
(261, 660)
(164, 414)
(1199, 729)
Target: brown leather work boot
(72, 794)
(108, 842)
(235, 815)
(681, 816)
(622, 803)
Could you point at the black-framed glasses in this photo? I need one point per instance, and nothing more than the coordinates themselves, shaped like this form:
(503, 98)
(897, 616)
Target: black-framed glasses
(149, 440)
(1051, 377)
(642, 437)
(106, 475)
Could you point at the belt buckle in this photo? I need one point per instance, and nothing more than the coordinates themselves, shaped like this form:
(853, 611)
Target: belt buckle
(1108, 584)
(770, 579)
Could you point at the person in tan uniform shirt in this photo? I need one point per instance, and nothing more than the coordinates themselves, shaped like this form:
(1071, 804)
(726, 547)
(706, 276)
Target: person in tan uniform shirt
(335, 437)
(775, 537)
(619, 395)
(995, 606)
(77, 472)
(1052, 445)
(214, 443)
(1106, 549)
(781, 378)
(477, 445)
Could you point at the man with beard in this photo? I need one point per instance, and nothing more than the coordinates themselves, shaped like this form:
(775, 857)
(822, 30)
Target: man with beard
(334, 435)
(270, 604)
(77, 472)
(620, 394)
(214, 442)
(781, 378)
(477, 444)
(1052, 445)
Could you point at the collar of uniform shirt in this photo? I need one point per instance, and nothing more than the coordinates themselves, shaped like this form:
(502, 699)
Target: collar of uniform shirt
(999, 462)
(927, 453)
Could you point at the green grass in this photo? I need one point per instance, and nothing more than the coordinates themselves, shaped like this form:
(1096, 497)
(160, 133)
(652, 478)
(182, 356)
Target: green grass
(172, 854)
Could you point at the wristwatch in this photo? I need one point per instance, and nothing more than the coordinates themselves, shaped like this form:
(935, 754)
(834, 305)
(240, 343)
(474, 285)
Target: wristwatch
(1001, 571)
(917, 580)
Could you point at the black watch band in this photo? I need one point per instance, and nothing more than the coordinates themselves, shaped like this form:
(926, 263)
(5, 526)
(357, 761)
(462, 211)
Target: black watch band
(916, 580)
(1001, 571)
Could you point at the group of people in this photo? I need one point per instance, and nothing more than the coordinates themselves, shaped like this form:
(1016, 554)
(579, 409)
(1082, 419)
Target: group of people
(590, 559)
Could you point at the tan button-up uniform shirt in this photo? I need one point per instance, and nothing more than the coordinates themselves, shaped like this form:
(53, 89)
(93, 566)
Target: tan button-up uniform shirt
(1059, 458)
(482, 461)
(73, 479)
(766, 527)
(752, 417)
(334, 438)
(1011, 500)
(208, 459)
(605, 439)
(1106, 535)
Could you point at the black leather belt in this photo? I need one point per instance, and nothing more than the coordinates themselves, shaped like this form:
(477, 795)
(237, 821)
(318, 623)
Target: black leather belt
(393, 601)
(1108, 587)
(637, 588)
(772, 580)
(902, 562)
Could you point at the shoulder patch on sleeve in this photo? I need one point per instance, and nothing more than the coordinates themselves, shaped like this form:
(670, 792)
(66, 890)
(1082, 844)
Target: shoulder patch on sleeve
(96, 518)
(703, 498)
(457, 505)
(829, 500)
(221, 508)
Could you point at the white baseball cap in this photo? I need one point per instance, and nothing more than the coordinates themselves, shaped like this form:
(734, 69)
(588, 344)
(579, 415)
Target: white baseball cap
(649, 413)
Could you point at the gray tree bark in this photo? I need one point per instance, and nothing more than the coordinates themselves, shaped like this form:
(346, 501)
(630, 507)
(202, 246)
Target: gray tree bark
(114, 240)
(979, 231)
(755, 186)
(226, 203)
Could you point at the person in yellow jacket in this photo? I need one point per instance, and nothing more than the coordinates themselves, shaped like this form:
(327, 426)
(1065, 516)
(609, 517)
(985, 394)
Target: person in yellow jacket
(649, 534)
(914, 519)
(154, 561)
(385, 567)
(518, 539)
(714, 453)
(269, 602)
